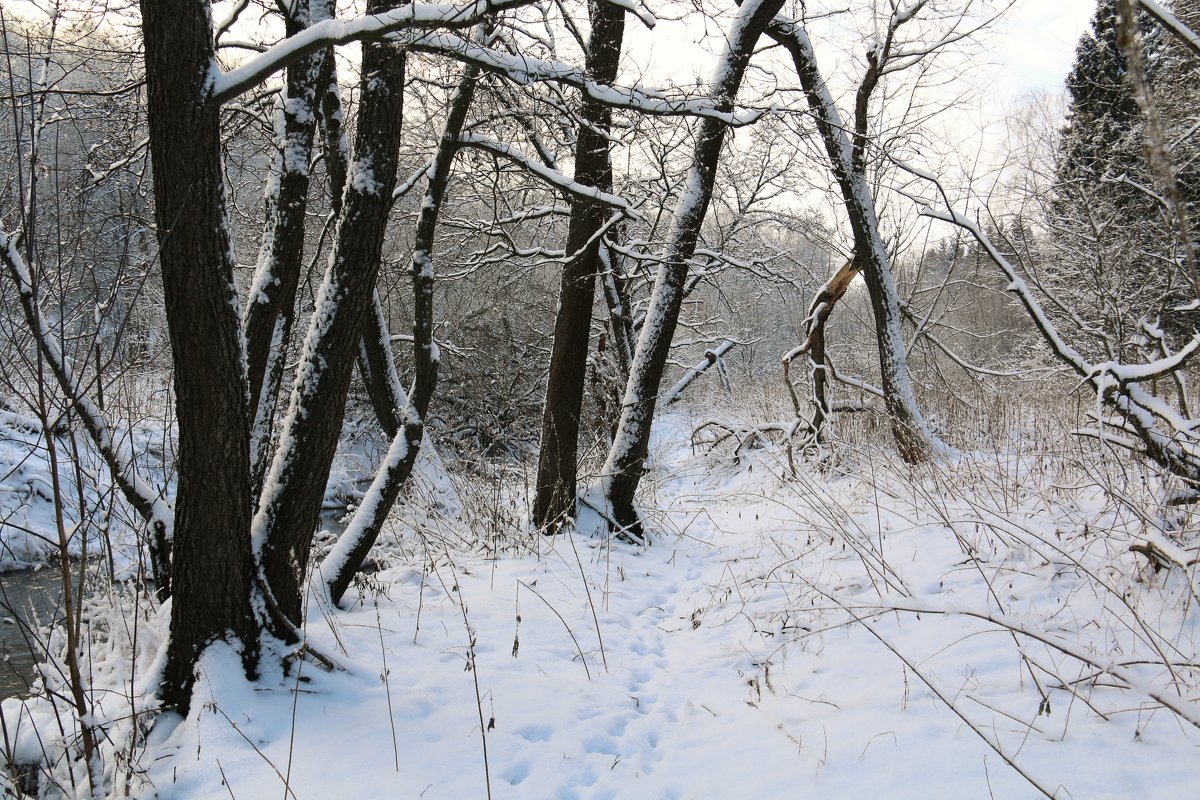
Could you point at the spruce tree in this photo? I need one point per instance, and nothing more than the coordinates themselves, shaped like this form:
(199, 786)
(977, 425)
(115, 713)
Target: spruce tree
(1103, 137)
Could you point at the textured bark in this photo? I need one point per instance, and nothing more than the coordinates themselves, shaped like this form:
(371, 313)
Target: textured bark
(270, 308)
(556, 475)
(290, 508)
(375, 362)
(377, 368)
(213, 566)
(359, 537)
(913, 439)
(627, 457)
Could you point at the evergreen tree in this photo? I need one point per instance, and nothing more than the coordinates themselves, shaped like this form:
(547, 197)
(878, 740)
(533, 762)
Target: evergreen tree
(1103, 136)
(1119, 261)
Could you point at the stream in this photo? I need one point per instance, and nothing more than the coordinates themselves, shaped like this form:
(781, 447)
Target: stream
(28, 599)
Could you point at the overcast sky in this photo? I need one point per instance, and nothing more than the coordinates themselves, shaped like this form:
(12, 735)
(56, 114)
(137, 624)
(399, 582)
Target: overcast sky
(1038, 44)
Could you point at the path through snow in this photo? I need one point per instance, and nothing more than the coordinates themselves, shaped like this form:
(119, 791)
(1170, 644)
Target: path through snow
(734, 665)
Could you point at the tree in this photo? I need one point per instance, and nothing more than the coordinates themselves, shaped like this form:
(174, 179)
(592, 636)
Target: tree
(556, 481)
(214, 502)
(1113, 209)
(626, 458)
(1103, 131)
(213, 566)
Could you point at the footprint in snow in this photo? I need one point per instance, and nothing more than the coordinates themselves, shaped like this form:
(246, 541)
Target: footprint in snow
(516, 772)
(536, 733)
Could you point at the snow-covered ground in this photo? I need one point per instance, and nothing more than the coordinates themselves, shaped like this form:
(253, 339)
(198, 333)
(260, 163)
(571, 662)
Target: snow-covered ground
(28, 525)
(862, 631)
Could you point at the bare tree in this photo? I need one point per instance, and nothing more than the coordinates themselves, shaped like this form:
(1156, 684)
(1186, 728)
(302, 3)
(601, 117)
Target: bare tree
(846, 148)
(626, 459)
(556, 481)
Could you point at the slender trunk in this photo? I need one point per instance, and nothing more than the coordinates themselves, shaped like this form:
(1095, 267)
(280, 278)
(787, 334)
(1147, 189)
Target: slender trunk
(626, 458)
(295, 486)
(556, 474)
(375, 362)
(620, 310)
(378, 370)
(213, 568)
(912, 435)
(356, 541)
(270, 307)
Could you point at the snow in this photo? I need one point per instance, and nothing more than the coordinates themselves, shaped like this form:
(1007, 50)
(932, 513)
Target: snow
(362, 176)
(779, 636)
(28, 532)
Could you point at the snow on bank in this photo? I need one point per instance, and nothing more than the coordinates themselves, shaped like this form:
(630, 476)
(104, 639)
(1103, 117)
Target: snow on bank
(28, 528)
(745, 653)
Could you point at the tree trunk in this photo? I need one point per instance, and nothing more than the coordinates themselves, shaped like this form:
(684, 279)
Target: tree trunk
(213, 566)
(626, 458)
(819, 312)
(913, 439)
(270, 306)
(295, 486)
(556, 475)
(356, 541)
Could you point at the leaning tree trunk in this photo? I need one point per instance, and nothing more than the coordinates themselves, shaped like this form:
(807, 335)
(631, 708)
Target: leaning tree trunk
(213, 568)
(290, 508)
(556, 475)
(339, 567)
(270, 306)
(913, 438)
(626, 459)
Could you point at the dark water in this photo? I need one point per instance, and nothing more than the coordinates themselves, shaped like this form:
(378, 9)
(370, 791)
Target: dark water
(29, 600)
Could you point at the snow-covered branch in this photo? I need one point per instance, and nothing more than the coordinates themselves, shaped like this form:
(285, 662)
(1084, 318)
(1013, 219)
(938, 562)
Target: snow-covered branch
(525, 70)
(146, 500)
(225, 86)
(711, 358)
(1172, 23)
(551, 176)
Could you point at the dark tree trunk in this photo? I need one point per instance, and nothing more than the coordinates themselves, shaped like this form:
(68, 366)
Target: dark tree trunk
(556, 475)
(376, 365)
(627, 457)
(377, 368)
(213, 567)
(359, 537)
(291, 504)
(270, 307)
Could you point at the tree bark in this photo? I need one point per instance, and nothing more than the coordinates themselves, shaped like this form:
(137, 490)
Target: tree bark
(556, 475)
(627, 457)
(356, 541)
(290, 508)
(213, 566)
(270, 306)
(913, 439)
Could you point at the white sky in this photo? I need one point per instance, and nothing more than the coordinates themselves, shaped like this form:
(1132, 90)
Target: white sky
(1038, 44)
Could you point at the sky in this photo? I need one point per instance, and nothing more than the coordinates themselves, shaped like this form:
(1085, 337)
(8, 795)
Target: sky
(1038, 44)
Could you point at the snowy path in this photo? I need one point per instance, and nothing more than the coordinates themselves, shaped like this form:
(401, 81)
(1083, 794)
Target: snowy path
(734, 665)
